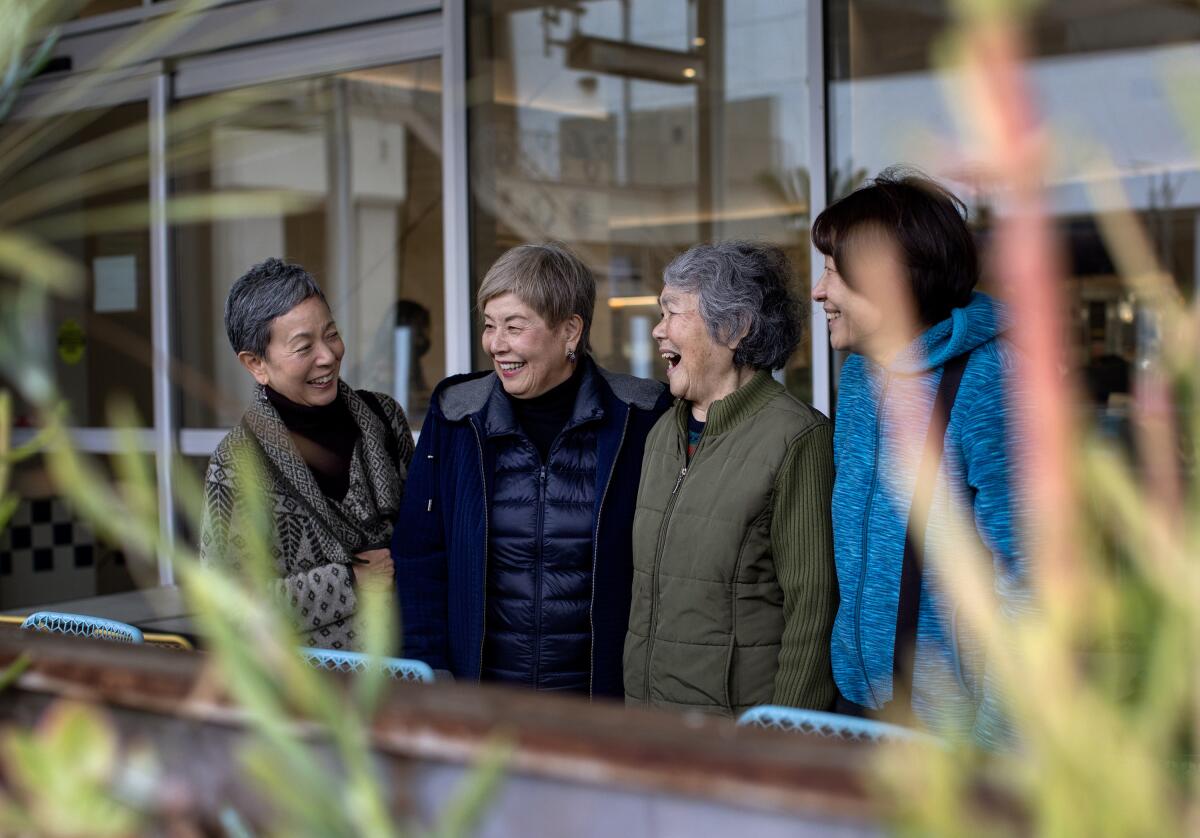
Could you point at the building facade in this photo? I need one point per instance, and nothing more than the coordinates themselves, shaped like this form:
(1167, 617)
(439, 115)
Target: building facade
(397, 147)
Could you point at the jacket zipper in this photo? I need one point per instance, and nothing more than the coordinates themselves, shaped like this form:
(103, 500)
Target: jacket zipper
(486, 542)
(658, 551)
(595, 556)
(537, 578)
(862, 571)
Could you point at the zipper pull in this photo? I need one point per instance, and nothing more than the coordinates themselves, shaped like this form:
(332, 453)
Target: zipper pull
(679, 479)
(542, 474)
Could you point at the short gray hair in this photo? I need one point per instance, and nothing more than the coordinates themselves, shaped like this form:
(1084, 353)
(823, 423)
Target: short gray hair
(745, 288)
(268, 290)
(548, 278)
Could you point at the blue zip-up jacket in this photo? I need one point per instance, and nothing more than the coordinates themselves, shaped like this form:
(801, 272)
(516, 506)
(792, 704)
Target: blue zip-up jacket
(440, 544)
(880, 413)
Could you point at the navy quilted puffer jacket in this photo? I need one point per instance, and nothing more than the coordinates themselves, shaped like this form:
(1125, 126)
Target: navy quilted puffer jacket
(447, 567)
(539, 580)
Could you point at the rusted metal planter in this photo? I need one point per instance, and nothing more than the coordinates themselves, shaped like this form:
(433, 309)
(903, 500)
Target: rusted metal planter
(576, 767)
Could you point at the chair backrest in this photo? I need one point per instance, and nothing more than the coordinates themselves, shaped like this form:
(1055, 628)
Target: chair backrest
(400, 669)
(830, 725)
(82, 626)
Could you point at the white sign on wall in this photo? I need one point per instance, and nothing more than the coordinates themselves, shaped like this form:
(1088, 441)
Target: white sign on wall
(115, 283)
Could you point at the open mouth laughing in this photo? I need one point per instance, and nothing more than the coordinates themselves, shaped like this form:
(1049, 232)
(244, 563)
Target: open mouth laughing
(672, 359)
(508, 368)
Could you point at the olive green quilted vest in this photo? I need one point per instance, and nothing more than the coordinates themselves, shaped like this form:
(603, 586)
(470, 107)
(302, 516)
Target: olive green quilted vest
(707, 618)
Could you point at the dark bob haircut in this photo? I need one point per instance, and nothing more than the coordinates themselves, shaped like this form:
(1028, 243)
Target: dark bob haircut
(927, 222)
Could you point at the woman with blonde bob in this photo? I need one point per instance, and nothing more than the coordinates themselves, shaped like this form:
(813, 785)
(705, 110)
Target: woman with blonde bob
(512, 547)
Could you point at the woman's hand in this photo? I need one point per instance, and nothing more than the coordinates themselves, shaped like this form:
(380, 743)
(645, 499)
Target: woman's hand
(377, 570)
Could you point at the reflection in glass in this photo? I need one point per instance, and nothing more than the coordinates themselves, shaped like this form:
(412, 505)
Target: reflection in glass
(76, 196)
(887, 105)
(631, 130)
(357, 156)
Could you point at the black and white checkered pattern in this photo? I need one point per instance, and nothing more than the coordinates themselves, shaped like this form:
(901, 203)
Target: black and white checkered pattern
(47, 554)
(45, 536)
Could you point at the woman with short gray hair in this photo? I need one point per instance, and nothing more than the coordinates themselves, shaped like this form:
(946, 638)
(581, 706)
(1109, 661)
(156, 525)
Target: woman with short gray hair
(334, 459)
(733, 587)
(512, 548)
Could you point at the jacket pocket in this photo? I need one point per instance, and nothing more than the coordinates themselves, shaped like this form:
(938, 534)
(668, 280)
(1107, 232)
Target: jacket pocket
(730, 687)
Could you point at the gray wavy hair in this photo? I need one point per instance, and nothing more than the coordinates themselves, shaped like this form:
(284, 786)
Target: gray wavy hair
(744, 288)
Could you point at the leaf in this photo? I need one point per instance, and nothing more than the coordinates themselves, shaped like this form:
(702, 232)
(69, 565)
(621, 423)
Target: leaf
(13, 671)
(78, 736)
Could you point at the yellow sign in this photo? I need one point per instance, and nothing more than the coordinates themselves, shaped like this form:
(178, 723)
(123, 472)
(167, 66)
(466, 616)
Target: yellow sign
(71, 342)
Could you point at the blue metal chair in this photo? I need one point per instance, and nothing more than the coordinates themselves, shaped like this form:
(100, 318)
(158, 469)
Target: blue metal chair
(401, 669)
(829, 725)
(81, 626)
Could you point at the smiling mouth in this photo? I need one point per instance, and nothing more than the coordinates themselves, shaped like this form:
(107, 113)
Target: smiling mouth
(830, 316)
(511, 366)
(672, 359)
(322, 381)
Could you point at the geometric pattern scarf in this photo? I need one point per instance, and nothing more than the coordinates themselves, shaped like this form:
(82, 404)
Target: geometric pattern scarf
(314, 536)
(376, 481)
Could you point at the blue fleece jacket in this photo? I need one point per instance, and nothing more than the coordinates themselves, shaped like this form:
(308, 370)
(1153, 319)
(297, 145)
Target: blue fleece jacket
(879, 411)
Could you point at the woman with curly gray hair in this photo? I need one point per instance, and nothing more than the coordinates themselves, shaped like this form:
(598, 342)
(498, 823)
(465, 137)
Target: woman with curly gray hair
(733, 589)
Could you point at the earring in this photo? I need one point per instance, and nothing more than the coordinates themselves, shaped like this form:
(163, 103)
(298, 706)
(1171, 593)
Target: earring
(571, 356)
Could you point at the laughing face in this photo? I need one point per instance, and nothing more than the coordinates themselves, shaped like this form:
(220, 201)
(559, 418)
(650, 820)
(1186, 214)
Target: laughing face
(697, 366)
(856, 313)
(303, 355)
(528, 355)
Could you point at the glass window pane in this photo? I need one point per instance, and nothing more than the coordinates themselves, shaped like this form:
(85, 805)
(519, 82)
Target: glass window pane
(631, 131)
(97, 343)
(358, 157)
(887, 105)
(49, 554)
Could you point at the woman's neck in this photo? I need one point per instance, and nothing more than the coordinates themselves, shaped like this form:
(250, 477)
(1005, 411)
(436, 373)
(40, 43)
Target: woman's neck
(728, 383)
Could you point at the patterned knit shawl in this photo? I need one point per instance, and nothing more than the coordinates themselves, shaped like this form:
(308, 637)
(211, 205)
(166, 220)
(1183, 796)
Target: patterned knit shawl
(366, 515)
(314, 536)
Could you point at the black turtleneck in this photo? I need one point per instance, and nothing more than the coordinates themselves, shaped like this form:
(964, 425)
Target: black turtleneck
(325, 436)
(543, 417)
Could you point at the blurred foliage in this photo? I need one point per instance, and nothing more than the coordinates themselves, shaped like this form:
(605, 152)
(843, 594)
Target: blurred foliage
(73, 755)
(70, 776)
(1100, 678)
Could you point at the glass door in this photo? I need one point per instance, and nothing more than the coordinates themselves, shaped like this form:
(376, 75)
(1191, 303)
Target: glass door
(80, 185)
(328, 154)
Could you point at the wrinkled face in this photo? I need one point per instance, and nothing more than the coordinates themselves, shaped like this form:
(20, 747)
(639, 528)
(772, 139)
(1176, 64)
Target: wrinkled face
(873, 317)
(303, 356)
(696, 364)
(528, 355)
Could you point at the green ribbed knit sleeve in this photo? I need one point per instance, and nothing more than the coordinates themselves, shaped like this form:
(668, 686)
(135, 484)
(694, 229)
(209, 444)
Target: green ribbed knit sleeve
(802, 545)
